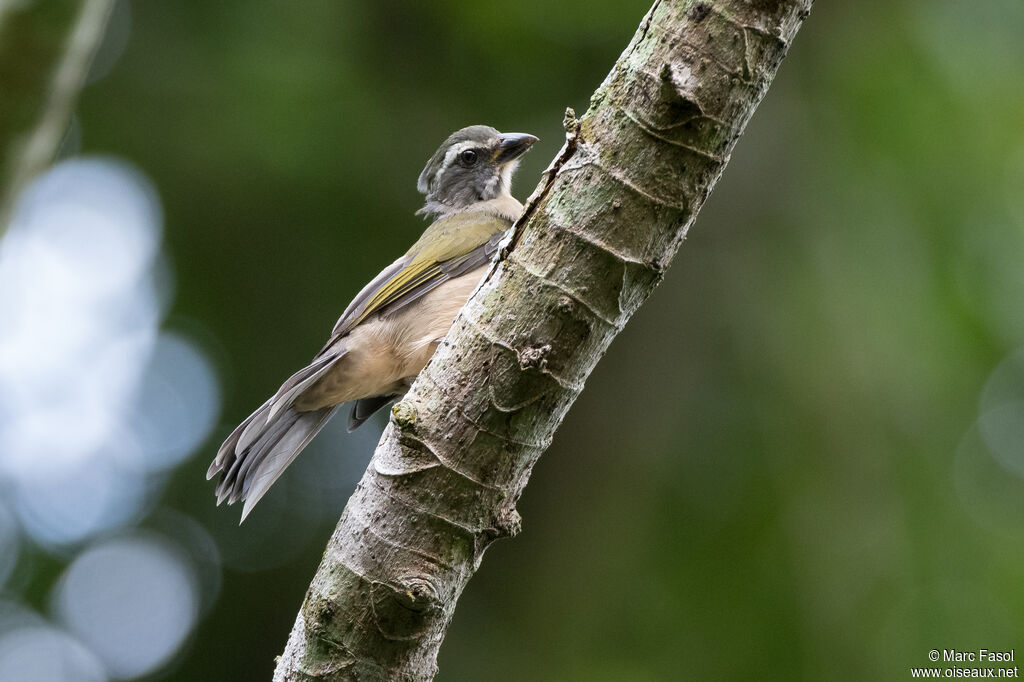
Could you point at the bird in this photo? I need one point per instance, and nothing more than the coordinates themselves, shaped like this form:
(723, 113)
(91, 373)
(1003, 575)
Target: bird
(388, 332)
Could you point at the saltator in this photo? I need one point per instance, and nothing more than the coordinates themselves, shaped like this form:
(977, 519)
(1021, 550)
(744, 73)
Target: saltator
(389, 331)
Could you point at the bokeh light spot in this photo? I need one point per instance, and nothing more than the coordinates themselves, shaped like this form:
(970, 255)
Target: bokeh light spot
(132, 600)
(177, 403)
(45, 654)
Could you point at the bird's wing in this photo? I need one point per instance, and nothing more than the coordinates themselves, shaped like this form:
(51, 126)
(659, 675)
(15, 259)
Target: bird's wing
(262, 446)
(468, 241)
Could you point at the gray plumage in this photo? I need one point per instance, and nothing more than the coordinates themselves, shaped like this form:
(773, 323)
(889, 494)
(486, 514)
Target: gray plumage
(364, 408)
(452, 180)
(389, 331)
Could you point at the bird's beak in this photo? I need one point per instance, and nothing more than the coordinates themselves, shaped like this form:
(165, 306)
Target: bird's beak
(512, 146)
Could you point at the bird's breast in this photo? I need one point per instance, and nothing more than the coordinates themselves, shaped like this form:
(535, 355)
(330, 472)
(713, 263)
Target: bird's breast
(389, 348)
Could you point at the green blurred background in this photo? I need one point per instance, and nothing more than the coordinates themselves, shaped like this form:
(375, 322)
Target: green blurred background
(801, 460)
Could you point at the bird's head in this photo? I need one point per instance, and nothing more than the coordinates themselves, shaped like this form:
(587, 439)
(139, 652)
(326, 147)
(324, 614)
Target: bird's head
(474, 164)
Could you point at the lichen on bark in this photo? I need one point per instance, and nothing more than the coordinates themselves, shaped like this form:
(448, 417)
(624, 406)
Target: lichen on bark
(594, 241)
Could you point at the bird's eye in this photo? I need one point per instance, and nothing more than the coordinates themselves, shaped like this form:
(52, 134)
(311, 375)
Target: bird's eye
(468, 157)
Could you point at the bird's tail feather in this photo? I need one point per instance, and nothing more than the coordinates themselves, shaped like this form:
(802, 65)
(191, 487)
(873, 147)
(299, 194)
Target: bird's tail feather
(279, 451)
(258, 451)
(249, 472)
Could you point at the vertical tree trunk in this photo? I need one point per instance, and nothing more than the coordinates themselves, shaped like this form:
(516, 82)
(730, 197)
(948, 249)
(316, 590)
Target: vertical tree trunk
(45, 51)
(593, 243)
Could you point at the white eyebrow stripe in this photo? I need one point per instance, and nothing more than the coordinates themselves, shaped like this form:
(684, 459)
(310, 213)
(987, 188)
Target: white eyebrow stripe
(450, 156)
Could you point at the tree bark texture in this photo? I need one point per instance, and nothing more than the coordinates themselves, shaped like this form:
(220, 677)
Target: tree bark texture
(46, 47)
(594, 241)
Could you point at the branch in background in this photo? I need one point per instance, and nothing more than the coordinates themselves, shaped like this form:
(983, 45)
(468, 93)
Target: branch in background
(45, 52)
(593, 243)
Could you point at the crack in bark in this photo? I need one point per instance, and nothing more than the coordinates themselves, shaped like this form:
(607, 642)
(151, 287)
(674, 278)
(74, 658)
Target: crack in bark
(695, 49)
(551, 172)
(652, 131)
(571, 293)
(627, 184)
(646, 25)
(443, 463)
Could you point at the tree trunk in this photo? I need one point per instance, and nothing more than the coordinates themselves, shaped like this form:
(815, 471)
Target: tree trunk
(45, 51)
(594, 241)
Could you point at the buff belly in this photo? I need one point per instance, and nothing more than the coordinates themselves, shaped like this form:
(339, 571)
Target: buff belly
(387, 351)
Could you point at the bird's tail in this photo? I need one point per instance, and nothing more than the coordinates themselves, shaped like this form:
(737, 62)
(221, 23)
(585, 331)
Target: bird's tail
(259, 450)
